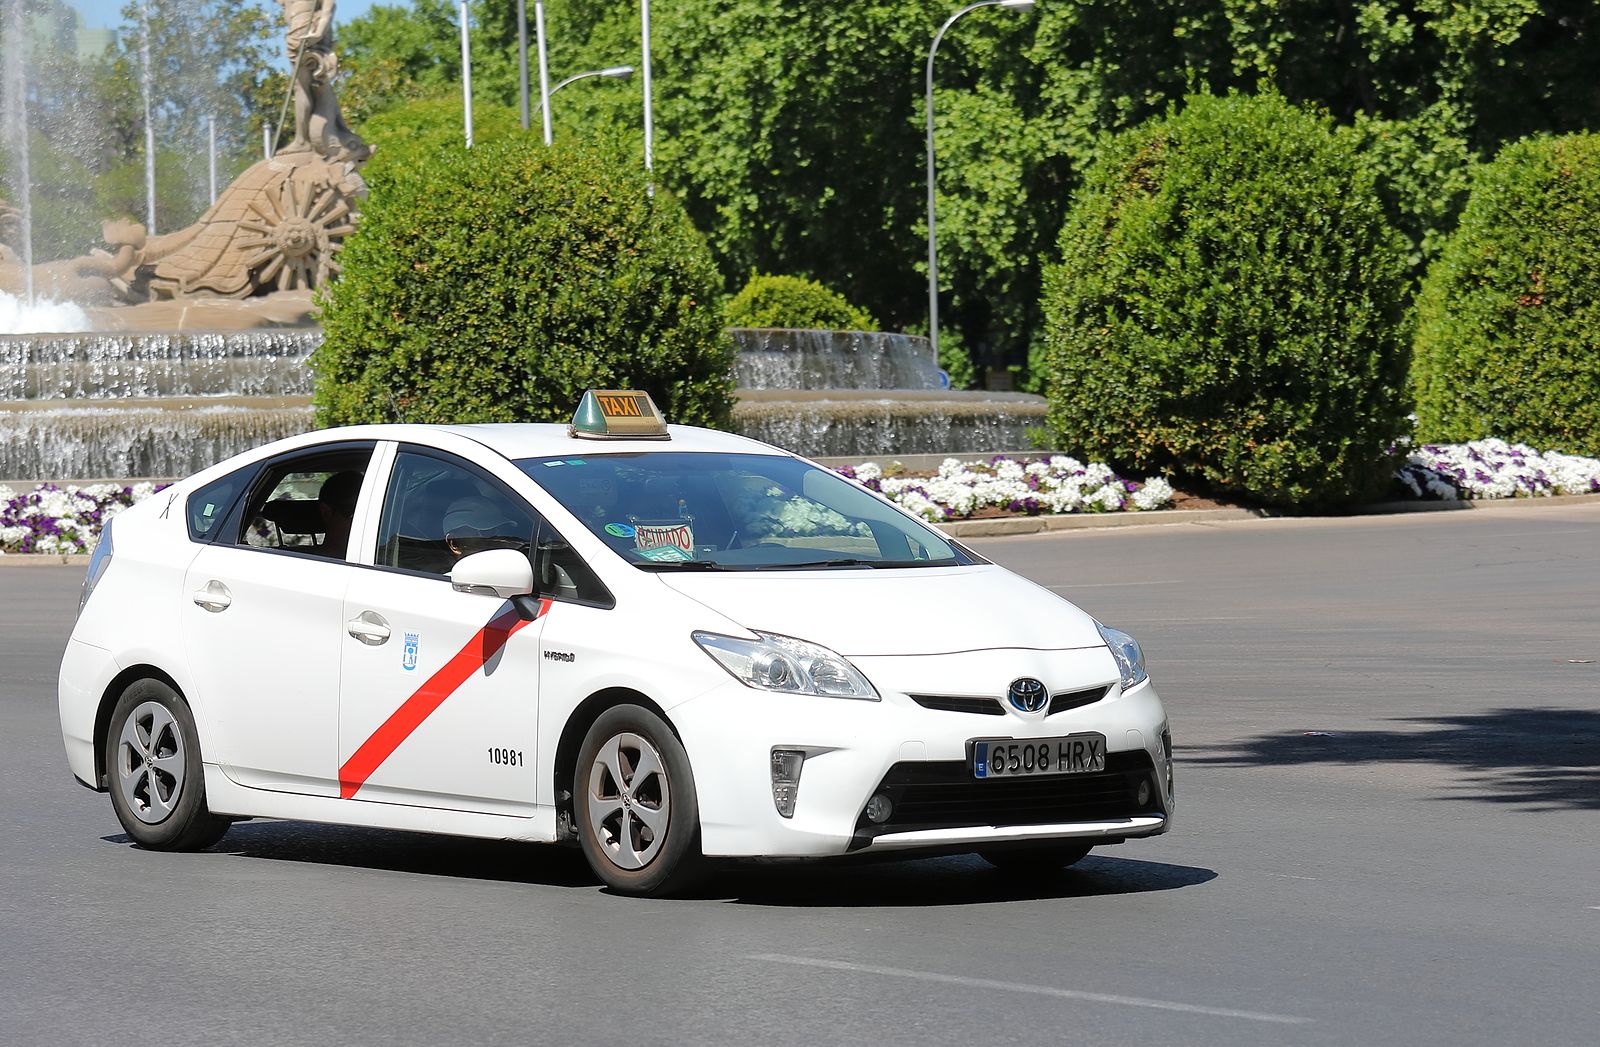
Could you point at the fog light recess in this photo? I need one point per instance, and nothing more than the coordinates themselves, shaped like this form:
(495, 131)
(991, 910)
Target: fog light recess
(1142, 797)
(878, 809)
(786, 767)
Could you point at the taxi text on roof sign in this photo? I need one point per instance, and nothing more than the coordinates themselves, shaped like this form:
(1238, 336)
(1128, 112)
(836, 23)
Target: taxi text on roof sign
(618, 414)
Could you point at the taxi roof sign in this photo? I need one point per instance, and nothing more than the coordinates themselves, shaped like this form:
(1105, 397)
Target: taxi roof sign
(618, 414)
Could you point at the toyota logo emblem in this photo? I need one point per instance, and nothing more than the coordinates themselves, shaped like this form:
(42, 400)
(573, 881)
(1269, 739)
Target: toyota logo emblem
(1027, 695)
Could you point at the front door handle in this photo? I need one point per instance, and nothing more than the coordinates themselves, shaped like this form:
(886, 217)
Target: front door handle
(369, 627)
(214, 597)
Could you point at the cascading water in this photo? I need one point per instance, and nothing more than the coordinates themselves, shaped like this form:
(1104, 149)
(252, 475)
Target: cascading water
(116, 406)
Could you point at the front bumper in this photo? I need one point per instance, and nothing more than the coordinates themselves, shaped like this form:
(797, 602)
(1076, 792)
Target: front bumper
(917, 757)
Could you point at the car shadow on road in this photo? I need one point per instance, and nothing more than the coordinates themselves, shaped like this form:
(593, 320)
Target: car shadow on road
(1541, 759)
(954, 880)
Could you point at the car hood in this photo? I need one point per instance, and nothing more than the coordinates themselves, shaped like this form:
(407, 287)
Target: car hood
(924, 610)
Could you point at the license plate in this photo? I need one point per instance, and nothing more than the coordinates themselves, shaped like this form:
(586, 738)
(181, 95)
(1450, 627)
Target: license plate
(1020, 758)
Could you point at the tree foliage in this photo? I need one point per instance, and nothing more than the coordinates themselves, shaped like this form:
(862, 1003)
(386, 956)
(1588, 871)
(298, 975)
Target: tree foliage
(1229, 306)
(1508, 339)
(498, 283)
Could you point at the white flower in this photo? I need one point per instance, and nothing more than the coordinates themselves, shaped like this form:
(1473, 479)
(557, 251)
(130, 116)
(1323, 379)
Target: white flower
(1155, 493)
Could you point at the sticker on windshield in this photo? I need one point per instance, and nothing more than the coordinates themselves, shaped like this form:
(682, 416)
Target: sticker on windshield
(677, 534)
(576, 461)
(553, 465)
(665, 554)
(619, 530)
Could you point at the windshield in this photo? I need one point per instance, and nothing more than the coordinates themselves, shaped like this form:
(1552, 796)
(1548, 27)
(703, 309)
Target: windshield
(667, 510)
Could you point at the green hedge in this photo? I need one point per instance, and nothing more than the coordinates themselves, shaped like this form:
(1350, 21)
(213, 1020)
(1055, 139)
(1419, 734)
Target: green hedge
(1508, 332)
(405, 135)
(1229, 307)
(496, 284)
(789, 301)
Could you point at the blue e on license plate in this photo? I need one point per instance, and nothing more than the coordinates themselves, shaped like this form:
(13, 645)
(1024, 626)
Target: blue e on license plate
(1019, 758)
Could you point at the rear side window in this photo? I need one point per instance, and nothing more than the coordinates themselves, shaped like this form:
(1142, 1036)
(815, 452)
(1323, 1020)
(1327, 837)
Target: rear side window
(210, 504)
(306, 504)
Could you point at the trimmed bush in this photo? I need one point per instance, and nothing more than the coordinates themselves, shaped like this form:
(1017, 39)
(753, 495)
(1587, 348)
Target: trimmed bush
(1508, 331)
(1229, 307)
(407, 134)
(497, 284)
(789, 301)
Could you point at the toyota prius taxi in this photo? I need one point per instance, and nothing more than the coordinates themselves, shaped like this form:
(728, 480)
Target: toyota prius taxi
(660, 643)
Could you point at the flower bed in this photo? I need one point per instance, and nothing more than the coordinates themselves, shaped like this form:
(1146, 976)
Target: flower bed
(62, 520)
(57, 520)
(1495, 469)
(1013, 486)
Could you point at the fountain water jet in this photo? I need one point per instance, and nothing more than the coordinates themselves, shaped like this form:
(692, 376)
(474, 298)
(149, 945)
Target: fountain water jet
(14, 86)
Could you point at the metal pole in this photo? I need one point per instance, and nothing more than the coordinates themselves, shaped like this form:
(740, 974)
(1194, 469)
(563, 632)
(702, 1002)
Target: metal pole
(544, 68)
(522, 60)
(211, 142)
(466, 77)
(649, 122)
(266, 141)
(933, 243)
(149, 128)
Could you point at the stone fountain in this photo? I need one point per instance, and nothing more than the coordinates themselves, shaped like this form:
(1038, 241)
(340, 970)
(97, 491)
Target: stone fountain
(200, 338)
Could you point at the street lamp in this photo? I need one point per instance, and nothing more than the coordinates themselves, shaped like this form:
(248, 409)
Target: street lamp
(616, 72)
(933, 255)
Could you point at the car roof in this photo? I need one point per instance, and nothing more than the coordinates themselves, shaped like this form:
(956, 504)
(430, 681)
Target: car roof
(549, 439)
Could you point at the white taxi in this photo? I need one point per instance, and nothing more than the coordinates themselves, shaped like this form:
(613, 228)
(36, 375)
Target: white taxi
(660, 643)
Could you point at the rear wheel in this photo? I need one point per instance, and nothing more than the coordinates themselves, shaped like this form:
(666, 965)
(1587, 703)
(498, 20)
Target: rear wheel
(153, 765)
(634, 803)
(1037, 858)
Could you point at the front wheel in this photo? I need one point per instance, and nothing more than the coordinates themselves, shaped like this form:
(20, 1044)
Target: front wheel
(634, 803)
(1037, 858)
(158, 787)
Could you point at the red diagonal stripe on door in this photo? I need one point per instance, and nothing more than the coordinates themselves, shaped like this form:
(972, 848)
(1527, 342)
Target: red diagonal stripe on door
(462, 666)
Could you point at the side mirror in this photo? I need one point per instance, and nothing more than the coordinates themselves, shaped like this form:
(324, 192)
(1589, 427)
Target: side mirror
(494, 572)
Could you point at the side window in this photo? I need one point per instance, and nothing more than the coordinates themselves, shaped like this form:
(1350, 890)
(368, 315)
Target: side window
(306, 503)
(210, 504)
(437, 511)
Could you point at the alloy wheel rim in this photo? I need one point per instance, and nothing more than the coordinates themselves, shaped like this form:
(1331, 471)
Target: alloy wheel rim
(630, 800)
(150, 767)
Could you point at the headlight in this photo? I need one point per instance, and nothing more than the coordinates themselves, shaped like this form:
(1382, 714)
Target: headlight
(1130, 657)
(782, 663)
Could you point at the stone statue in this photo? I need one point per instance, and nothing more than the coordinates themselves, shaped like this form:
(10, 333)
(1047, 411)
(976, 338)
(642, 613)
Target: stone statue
(278, 227)
(319, 126)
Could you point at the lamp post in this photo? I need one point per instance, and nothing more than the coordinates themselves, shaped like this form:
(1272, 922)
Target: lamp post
(616, 72)
(466, 77)
(933, 250)
(649, 120)
(544, 67)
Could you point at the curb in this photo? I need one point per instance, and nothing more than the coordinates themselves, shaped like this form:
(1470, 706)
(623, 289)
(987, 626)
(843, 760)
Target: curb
(44, 560)
(1010, 526)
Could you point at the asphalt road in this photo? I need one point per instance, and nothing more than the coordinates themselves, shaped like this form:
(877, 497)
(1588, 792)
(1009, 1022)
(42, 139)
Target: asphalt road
(1389, 833)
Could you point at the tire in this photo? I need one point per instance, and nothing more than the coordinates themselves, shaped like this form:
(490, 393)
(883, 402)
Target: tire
(634, 804)
(154, 771)
(1039, 858)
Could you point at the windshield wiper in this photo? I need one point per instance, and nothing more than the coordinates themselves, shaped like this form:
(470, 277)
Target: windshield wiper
(678, 565)
(845, 562)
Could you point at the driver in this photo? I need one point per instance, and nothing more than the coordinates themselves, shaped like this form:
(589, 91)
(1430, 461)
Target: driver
(474, 524)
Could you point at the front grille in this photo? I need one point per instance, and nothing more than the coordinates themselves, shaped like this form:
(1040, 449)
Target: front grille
(1073, 699)
(956, 704)
(944, 794)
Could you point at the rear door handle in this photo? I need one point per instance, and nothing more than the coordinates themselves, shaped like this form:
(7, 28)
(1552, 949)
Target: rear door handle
(369, 627)
(214, 597)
